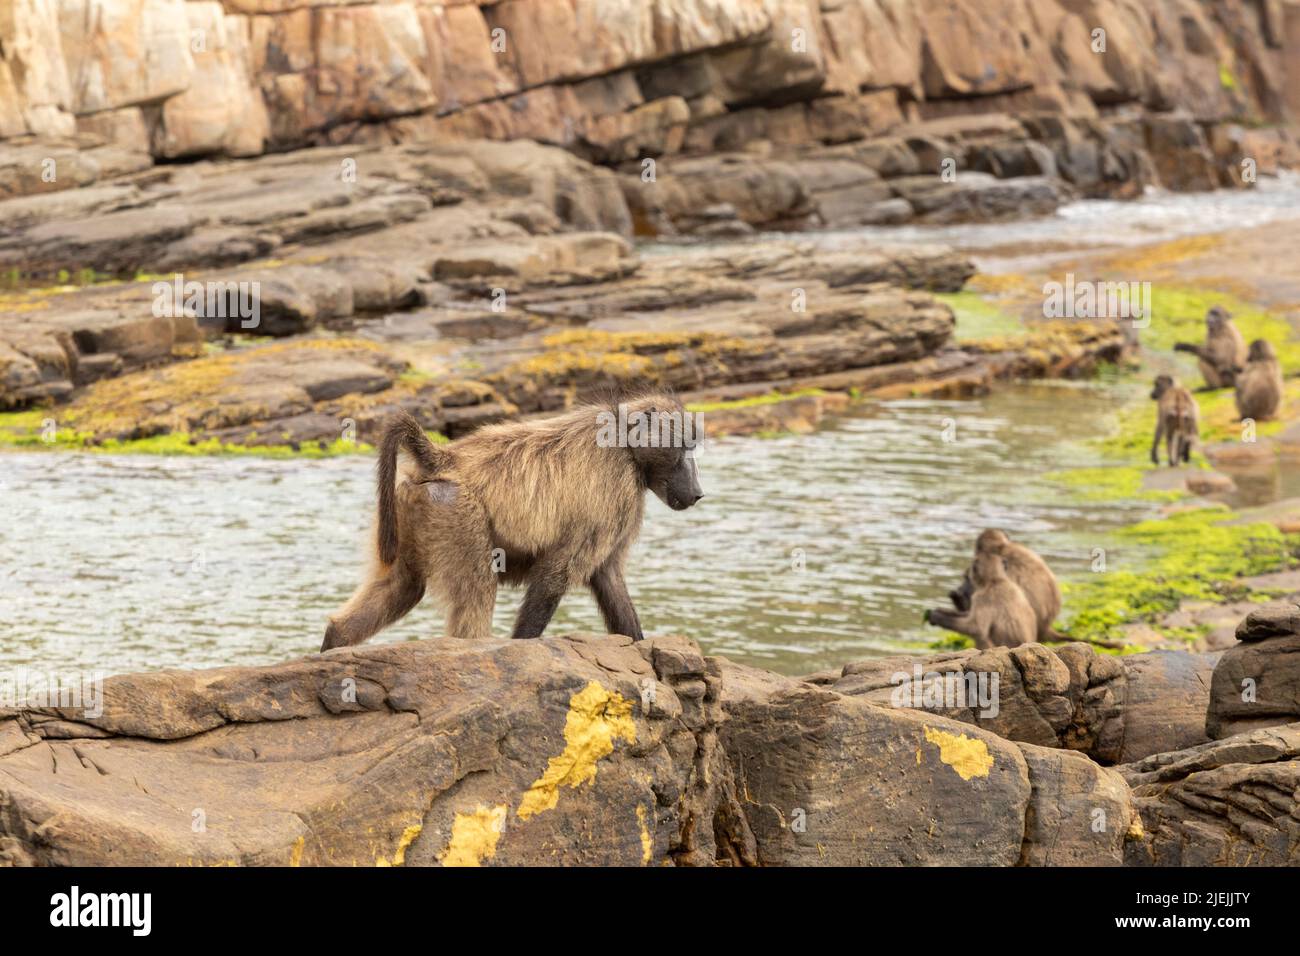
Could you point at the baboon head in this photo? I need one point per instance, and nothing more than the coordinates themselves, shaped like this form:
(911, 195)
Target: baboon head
(1215, 318)
(987, 569)
(1261, 350)
(668, 466)
(991, 541)
(1163, 384)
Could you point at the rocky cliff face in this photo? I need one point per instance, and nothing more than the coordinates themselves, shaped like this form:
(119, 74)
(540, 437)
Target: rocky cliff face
(589, 749)
(622, 80)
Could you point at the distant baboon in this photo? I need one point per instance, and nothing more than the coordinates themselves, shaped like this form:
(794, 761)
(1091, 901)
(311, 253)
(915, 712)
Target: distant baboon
(554, 504)
(1026, 569)
(1000, 614)
(1224, 350)
(1178, 421)
(1259, 384)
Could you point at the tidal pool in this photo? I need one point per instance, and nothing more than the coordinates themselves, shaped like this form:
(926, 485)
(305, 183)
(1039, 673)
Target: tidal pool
(808, 551)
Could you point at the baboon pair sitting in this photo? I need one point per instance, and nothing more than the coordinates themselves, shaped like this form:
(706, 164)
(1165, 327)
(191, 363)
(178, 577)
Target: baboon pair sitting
(1225, 362)
(549, 504)
(1008, 596)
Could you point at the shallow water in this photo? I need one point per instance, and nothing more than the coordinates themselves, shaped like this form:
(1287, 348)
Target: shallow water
(808, 550)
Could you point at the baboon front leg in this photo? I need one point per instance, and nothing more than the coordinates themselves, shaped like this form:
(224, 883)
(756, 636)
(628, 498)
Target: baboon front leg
(1155, 444)
(961, 623)
(546, 585)
(537, 610)
(377, 603)
(1171, 443)
(615, 603)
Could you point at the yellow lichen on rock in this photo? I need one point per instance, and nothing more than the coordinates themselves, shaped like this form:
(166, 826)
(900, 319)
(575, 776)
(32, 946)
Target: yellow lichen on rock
(399, 855)
(474, 836)
(597, 717)
(647, 841)
(969, 756)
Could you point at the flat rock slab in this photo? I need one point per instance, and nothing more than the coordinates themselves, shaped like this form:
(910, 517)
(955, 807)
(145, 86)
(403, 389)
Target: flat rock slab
(583, 749)
(1229, 802)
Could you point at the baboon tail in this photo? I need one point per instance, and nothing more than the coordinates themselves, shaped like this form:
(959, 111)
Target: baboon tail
(402, 432)
(1053, 634)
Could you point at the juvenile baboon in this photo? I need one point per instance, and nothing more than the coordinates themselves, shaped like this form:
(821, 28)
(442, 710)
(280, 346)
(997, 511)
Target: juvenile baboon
(552, 504)
(1178, 420)
(1224, 350)
(1000, 614)
(1025, 569)
(1259, 384)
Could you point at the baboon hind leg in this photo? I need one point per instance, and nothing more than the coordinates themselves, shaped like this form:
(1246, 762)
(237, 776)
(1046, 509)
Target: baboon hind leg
(470, 600)
(383, 599)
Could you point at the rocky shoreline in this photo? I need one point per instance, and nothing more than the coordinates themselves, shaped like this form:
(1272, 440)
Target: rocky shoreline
(589, 749)
(474, 309)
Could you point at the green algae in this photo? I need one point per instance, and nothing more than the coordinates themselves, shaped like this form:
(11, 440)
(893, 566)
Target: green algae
(756, 401)
(1178, 315)
(27, 431)
(1198, 554)
(978, 318)
(1111, 483)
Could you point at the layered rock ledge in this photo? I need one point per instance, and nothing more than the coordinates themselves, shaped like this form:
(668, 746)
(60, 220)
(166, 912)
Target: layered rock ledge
(590, 749)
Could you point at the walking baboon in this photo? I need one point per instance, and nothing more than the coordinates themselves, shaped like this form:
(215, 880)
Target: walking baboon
(1178, 420)
(1224, 350)
(1259, 384)
(1000, 613)
(1026, 569)
(553, 504)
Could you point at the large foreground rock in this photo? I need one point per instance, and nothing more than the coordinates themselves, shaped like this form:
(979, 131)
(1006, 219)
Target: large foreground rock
(1257, 681)
(834, 780)
(568, 750)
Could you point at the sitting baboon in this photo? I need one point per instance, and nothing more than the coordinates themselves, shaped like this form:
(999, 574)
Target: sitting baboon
(1259, 384)
(554, 504)
(1000, 614)
(1025, 569)
(1178, 420)
(1224, 350)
